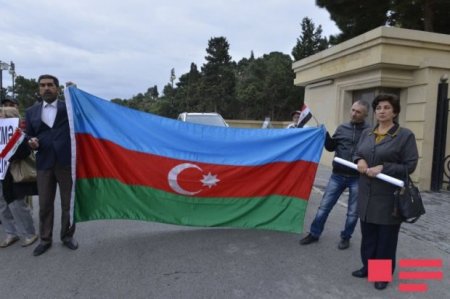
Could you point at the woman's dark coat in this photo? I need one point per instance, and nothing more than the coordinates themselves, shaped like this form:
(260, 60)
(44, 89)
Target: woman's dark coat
(397, 152)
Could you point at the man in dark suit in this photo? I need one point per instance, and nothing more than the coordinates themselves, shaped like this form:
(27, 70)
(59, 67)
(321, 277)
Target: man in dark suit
(48, 128)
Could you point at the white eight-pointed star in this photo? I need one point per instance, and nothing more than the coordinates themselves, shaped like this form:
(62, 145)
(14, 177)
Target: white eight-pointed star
(209, 180)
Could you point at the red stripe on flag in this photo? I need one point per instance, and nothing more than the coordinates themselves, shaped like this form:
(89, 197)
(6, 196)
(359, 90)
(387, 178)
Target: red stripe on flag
(420, 275)
(420, 263)
(104, 159)
(413, 287)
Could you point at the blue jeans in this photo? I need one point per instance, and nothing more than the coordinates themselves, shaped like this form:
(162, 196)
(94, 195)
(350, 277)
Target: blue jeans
(336, 186)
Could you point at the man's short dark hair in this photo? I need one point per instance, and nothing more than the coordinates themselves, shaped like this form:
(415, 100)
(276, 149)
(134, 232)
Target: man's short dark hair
(47, 76)
(364, 104)
(387, 97)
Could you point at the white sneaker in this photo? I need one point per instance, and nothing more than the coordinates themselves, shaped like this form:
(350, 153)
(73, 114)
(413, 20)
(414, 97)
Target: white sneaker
(28, 241)
(10, 239)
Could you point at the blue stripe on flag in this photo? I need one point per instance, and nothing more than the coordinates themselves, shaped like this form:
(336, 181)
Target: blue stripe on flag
(149, 133)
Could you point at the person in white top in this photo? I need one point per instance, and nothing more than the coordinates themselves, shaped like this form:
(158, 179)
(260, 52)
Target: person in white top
(295, 115)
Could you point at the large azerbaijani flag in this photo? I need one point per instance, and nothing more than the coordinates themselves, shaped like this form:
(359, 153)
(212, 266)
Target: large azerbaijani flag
(135, 165)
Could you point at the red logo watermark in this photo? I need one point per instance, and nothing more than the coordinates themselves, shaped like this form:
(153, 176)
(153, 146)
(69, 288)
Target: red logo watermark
(381, 270)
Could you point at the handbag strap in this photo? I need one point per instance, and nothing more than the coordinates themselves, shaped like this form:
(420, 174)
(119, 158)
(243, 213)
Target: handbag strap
(407, 178)
(396, 202)
(408, 181)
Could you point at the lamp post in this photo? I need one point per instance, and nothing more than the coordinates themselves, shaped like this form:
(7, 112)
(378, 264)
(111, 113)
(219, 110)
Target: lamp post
(172, 78)
(3, 67)
(12, 72)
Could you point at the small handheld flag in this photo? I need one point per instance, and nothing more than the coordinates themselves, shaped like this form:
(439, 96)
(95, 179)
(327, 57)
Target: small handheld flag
(305, 116)
(12, 145)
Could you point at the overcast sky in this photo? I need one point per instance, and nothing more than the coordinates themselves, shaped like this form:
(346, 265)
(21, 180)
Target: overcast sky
(120, 48)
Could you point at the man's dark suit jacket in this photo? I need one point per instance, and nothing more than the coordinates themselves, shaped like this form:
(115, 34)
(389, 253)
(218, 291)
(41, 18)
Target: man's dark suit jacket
(54, 143)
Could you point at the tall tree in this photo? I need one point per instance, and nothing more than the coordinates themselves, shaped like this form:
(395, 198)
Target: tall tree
(187, 93)
(250, 75)
(310, 41)
(280, 92)
(218, 75)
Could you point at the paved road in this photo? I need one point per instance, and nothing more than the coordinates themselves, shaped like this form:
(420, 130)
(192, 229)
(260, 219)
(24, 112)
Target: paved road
(131, 259)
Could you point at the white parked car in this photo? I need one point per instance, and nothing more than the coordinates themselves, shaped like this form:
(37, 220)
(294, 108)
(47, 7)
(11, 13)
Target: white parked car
(203, 118)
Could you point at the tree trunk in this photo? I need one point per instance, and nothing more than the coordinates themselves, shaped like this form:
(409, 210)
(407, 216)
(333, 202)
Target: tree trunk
(428, 7)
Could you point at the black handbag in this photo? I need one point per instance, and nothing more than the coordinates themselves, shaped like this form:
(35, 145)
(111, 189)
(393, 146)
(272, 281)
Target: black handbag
(408, 202)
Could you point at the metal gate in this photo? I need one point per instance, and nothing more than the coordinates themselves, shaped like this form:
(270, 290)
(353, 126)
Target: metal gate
(441, 163)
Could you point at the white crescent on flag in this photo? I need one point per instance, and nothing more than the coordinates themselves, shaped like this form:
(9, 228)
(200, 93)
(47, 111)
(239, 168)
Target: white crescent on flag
(173, 178)
(208, 180)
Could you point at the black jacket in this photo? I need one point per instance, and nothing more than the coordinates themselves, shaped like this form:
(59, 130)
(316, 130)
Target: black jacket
(343, 143)
(54, 143)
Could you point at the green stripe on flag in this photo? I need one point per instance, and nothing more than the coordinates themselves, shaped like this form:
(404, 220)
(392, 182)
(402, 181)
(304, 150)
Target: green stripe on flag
(110, 199)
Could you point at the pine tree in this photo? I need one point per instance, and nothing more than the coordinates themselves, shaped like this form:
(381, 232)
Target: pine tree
(218, 76)
(310, 42)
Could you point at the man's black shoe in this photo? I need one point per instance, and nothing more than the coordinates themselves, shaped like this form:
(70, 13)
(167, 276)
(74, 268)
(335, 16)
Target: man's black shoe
(361, 273)
(72, 244)
(344, 244)
(308, 240)
(41, 248)
(380, 285)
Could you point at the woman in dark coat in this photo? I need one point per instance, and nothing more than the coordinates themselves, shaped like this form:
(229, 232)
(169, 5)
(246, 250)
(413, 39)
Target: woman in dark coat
(391, 150)
(14, 211)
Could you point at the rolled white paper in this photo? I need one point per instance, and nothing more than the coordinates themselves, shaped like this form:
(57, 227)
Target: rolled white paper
(380, 176)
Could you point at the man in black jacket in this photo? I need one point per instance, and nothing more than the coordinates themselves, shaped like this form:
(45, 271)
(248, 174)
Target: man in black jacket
(343, 143)
(48, 128)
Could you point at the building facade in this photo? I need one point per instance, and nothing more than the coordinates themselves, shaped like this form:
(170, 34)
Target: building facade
(405, 62)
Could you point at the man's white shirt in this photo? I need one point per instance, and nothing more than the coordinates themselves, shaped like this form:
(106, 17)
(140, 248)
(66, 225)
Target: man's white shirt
(49, 112)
